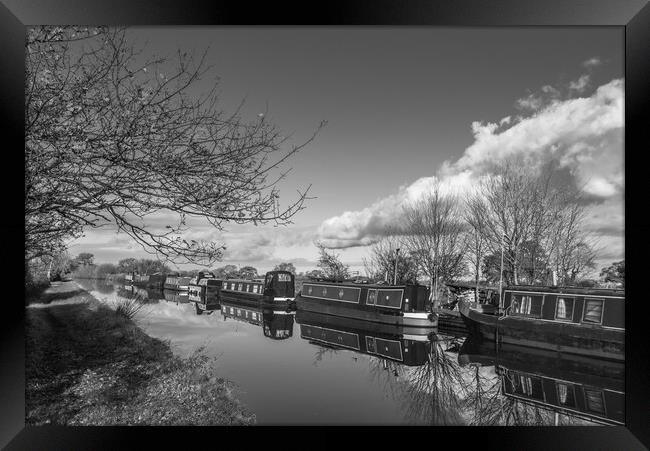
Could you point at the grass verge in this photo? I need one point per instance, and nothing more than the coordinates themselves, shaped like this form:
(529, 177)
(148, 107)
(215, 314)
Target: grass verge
(88, 365)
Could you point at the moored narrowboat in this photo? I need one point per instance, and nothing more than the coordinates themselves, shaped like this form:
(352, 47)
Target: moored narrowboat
(156, 281)
(277, 287)
(193, 284)
(404, 345)
(177, 282)
(584, 321)
(206, 293)
(579, 386)
(400, 305)
(140, 279)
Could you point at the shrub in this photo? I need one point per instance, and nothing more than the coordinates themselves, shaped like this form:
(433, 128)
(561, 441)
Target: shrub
(129, 307)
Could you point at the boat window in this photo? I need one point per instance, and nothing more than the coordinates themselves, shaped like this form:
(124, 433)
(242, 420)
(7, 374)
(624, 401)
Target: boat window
(566, 394)
(284, 277)
(526, 305)
(239, 287)
(372, 297)
(564, 309)
(371, 344)
(593, 311)
(594, 400)
(528, 386)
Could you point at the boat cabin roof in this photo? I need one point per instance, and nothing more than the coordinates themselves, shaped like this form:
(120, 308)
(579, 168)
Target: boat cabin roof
(354, 284)
(568, 290)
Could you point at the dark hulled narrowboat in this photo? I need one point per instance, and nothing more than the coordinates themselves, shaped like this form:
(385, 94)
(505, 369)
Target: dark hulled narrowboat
(582, 321)
(177, 282)
(156, 281)
(206, 293)
(277, 287)
(276, 323)
(399, 344)
(193, 285)
(400, 305)
(580, 386)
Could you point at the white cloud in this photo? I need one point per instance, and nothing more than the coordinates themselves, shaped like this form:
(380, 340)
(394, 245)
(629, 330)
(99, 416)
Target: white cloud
(592, 62)
(580, 84)
(585, 135)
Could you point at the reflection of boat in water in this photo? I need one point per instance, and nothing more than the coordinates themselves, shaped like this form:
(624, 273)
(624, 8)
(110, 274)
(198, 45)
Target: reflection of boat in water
(573, 320)
(405, 345)
(276, 322)
(579, 386)
(179, 297)
(400, 305)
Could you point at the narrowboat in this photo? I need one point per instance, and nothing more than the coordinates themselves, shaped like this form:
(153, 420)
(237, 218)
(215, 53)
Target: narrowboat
(179, 297)
(404, 345)
(399, 305)
(193, 286)
(177, 282)
(156, 281)
(139, 279)
(580, 386)
(583, 321)
(205, 293)
(277, 287)
(276, 322)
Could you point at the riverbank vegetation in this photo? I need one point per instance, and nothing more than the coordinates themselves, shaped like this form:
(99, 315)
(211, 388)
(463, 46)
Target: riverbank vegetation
(88, 365)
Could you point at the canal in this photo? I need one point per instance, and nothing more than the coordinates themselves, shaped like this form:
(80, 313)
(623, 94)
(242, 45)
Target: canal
(301, 368)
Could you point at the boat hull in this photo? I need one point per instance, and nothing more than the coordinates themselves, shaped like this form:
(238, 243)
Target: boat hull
(401, 319)
(593, 341)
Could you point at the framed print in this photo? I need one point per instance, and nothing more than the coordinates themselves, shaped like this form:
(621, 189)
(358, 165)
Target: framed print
(354, 214)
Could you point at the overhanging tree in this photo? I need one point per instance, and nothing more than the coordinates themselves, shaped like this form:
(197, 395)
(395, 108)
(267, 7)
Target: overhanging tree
(113, 137)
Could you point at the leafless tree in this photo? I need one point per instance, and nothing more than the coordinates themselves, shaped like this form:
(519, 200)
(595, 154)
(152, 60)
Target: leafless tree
(331, 265)
(475, 239)
(574, 249)
(113, 136)
(381, 262)
(433, 233)
(535, 220)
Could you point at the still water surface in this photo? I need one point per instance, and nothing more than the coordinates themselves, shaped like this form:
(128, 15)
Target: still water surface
(305, 368)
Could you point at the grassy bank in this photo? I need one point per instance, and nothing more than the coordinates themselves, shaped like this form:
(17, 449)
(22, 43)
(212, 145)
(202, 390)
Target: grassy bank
(88, 365)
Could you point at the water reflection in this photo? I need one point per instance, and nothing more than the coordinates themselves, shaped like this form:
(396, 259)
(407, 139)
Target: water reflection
(539, 387)
(178, 297)
(277, 324)
(337, 370)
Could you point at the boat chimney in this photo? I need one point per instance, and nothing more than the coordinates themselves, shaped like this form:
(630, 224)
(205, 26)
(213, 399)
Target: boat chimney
(554, 275)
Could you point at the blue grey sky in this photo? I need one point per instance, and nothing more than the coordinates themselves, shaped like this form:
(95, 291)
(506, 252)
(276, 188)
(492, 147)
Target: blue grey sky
(400, 102)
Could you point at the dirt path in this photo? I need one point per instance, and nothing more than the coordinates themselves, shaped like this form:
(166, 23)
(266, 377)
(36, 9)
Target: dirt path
(87, 365)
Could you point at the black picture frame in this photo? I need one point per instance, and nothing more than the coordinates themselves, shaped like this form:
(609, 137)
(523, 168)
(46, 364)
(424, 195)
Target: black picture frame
(632, 15)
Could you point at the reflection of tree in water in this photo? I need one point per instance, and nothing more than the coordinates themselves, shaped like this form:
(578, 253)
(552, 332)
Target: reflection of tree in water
(435, 389)
(429, 393)
(322, 350)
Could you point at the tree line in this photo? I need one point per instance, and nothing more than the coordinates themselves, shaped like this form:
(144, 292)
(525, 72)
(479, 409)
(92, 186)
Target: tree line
(527, 221)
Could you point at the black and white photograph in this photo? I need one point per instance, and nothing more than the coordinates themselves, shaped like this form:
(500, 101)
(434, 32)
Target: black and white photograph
(291, 225)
